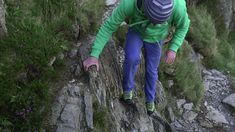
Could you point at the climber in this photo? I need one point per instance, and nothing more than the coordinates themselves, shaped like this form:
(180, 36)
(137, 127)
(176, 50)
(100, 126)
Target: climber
(149, 22)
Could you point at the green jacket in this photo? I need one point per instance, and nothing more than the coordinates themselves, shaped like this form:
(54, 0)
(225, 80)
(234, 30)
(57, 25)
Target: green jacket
(127, 9)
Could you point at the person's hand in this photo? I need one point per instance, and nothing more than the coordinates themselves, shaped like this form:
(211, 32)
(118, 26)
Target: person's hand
(91, 61)
(170, 57)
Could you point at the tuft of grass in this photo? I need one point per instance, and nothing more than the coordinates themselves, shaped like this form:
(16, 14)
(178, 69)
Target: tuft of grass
(120, 36)
(218, 50)
(37, 31)
(224, 59)
(232, 80)
(89, 16)
(187, 76)
(102, 121)
(212, 8)
(202, 33)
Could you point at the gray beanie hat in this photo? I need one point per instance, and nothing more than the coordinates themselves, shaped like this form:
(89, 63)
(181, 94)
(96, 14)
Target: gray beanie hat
(158, 11)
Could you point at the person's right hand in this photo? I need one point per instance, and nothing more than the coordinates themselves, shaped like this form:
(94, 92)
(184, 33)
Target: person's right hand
(91, 61)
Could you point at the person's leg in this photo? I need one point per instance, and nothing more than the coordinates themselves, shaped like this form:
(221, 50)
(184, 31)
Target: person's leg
(132, 49)
(152, 60)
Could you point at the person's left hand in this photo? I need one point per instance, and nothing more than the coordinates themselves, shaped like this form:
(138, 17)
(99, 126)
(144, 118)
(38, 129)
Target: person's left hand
(170, 57)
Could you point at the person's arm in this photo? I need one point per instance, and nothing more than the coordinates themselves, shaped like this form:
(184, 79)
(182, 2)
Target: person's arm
(111, 25)
(181, 23)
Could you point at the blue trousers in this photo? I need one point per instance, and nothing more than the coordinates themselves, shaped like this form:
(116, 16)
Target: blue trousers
(152, 54)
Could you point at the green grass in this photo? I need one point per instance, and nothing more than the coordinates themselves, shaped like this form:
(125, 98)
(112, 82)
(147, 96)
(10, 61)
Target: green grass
(101, 118)
(212, 9)
(207, 38)
(89, 16)
(37, 31)
(187, 76)
(224, 59)
(202, 31)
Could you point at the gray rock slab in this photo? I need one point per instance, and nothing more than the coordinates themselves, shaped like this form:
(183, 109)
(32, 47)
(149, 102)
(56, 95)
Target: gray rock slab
(73, 53)
(110, 2)
(206, 85)
(188, 106)
(171, 114)
(215, 116)
(230, 100)
(180, 102)
(206, 72)
(170, 83)
(88, 110)
(190, 115)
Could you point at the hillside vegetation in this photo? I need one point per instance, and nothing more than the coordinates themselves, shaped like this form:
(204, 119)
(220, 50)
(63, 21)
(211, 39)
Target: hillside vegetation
(38, 30)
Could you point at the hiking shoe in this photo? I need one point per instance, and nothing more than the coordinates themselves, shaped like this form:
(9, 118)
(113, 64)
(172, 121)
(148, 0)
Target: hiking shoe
(127, 97)
(150, 108)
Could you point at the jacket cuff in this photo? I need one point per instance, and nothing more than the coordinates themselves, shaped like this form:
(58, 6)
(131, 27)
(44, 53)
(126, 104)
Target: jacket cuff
(95, 53)
(174, 48)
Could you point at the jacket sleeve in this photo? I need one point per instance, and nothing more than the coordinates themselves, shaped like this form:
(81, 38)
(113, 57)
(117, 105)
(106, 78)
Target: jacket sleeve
(181, 23)
(110, 25)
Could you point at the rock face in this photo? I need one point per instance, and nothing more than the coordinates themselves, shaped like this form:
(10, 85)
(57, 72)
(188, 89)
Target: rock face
(3, 29)
(216, 117)
(89, 101)
(180, 102)
(227, 9)
(189, 115)
(110, 2)
(68, 109)
(188, 106)
(78, 102)
(230, 100)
